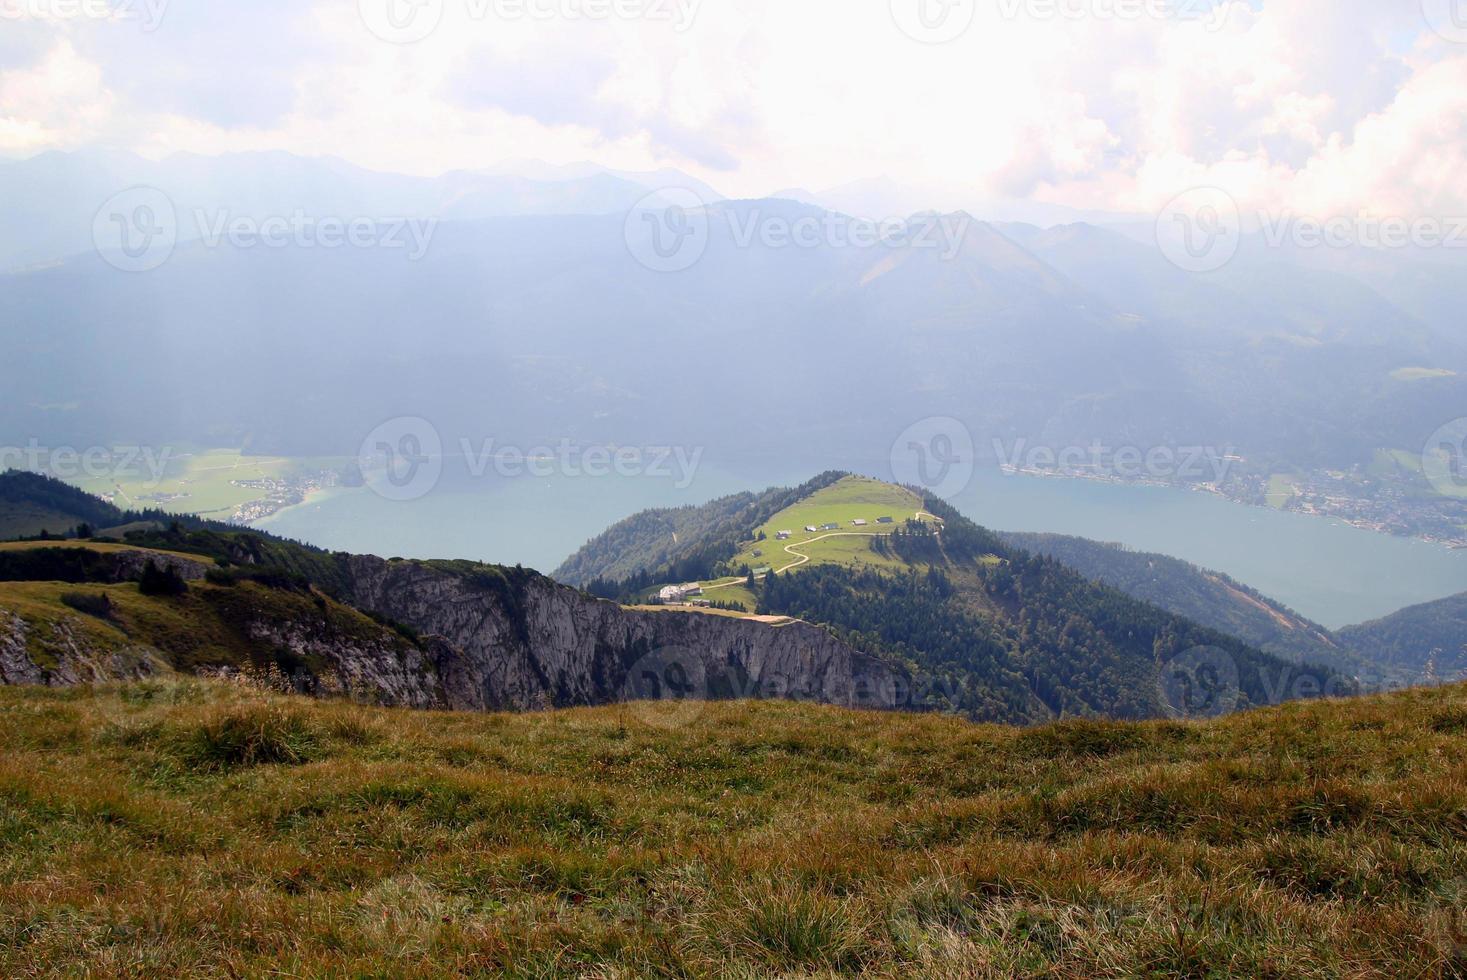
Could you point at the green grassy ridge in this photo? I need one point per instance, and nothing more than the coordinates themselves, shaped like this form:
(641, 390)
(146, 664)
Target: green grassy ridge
(678, 544)
(842, 502)
(206, 627)
(208, 829)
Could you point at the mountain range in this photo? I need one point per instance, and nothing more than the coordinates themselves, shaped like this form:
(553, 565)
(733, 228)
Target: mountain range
(1063, 335)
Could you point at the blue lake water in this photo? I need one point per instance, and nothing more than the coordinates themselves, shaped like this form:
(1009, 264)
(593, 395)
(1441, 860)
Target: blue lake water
(1326, 570)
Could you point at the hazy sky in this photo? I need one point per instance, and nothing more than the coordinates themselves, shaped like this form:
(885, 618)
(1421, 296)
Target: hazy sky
(1321, 105)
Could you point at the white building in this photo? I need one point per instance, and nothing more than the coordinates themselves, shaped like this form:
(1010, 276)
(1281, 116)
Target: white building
(679, 593)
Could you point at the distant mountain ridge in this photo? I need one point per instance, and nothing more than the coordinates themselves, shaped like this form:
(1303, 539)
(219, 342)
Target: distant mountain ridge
(48, 203)
(1062, 335)
(1207, 597)
(1428, 640)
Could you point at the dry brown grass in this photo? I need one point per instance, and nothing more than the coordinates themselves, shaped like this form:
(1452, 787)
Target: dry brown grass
(186, 828)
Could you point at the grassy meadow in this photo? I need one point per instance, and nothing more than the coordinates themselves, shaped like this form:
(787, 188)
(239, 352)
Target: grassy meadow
(849, 499)
(204, 829)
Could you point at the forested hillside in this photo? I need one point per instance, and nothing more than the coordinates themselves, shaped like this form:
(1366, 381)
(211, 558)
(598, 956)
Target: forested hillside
(1429, 639)
(1206, 597)
(999, 633)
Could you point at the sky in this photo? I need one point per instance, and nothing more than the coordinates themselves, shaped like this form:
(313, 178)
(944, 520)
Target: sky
(1316, 106)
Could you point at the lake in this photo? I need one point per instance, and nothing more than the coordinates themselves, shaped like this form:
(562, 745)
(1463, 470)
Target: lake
(1328, 571)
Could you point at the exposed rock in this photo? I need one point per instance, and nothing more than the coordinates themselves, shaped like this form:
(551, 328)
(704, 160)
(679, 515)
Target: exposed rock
(493, 640)
(385, 672)
(535, 644)
(130, 565)
(71, 660)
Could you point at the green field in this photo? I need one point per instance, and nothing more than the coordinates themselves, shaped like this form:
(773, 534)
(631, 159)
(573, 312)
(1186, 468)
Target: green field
(1421, 374)
(185, 828)
(193, 482)
(1281, 490)
(106, 547)
(855, 497)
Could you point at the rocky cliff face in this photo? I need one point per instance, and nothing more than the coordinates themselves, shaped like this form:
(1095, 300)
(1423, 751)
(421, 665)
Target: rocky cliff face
(490, 639)
(72, 659)
(531, 643)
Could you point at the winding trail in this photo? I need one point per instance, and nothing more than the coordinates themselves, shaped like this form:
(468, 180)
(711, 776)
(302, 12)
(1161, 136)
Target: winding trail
(805, 559)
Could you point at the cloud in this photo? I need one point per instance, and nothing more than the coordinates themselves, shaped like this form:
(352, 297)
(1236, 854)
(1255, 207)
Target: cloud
(58, 101)
(1320, 104)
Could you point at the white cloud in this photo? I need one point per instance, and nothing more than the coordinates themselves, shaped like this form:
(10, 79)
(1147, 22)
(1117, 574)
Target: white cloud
(1321, 105)
(60, 102)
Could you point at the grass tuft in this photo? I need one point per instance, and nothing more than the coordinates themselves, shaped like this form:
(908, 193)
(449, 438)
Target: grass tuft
(257, 735)
(790, 926)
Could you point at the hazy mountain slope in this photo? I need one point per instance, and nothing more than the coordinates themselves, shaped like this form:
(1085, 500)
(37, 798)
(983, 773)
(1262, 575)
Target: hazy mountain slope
(48, 203)
(1206, 597)
(545, 325)
(1433, 634)
(30, 504)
